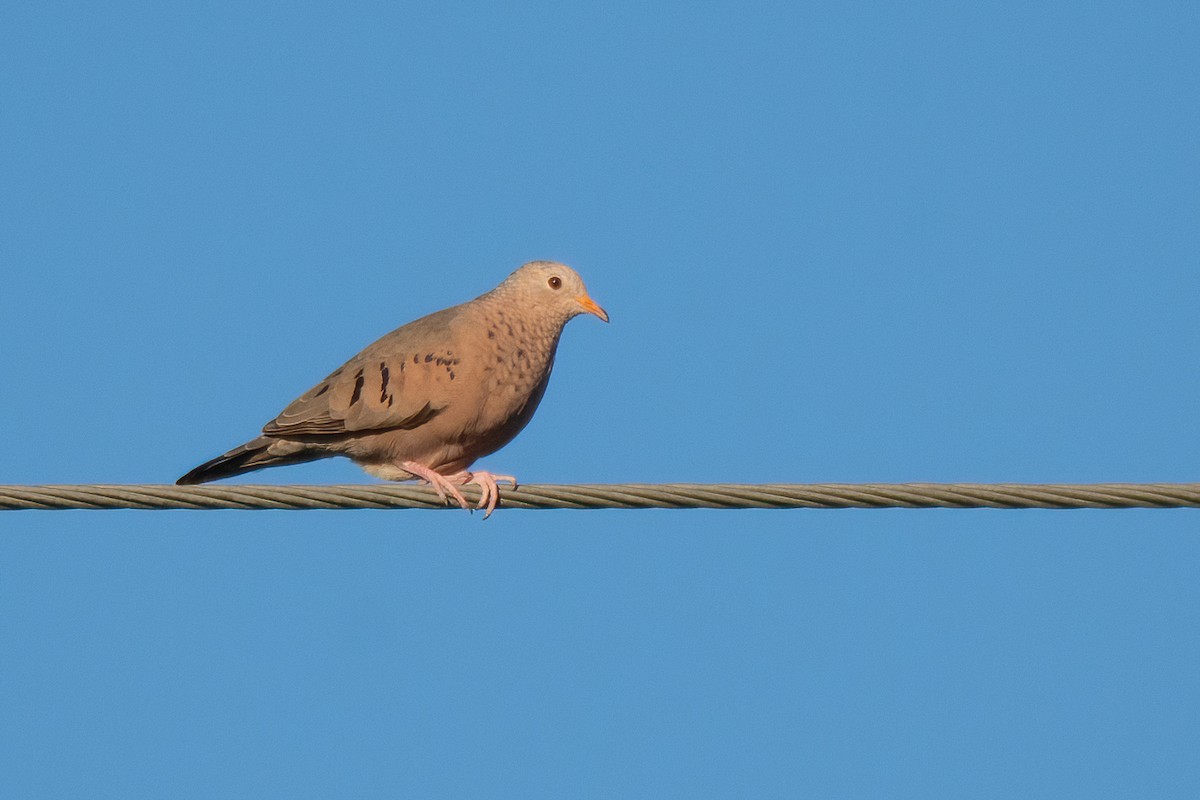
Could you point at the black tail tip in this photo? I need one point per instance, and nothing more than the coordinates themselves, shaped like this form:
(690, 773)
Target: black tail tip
(193, 478)
(238, 461)
(226, 466)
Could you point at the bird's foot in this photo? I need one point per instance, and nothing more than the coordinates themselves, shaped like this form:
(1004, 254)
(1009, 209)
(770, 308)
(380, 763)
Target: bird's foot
(440, 483)
(489, 491)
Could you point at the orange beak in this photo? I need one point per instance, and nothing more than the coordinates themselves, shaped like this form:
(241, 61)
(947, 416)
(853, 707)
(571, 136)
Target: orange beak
(589, 305)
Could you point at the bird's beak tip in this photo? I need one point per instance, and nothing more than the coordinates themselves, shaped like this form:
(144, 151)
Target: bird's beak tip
(589, 305)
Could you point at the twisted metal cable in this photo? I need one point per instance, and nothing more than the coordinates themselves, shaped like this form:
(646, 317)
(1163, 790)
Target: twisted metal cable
(613, 495)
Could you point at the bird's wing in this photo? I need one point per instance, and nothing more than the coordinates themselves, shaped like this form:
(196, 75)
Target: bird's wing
(399, 382)
(361, 396)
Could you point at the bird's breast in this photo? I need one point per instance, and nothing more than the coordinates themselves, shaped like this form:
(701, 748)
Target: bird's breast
(512, 370)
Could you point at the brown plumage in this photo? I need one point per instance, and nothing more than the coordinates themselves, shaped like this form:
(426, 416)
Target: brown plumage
(431, 397)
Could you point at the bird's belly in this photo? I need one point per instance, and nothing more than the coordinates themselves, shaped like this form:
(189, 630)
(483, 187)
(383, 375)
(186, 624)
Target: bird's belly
(444, 445)
(386, 472)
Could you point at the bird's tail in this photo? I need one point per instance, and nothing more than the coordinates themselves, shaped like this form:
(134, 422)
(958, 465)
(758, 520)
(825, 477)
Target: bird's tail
(254, 454)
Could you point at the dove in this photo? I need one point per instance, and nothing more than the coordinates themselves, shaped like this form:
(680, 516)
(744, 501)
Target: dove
(430, 398)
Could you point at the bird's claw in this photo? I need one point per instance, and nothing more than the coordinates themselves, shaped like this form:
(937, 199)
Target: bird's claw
(489, 490)
(451, 490)
(441, 484)
(446, 486)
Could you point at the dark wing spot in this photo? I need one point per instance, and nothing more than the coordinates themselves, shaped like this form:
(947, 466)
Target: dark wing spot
(428, 357)
(384, 376)
(520, 353)
(358, 387)
(451, 375)
(324, 388)
(491, 334)
(415, 361)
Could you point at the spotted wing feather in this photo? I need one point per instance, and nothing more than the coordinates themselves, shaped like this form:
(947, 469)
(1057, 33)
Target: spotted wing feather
(367, 394)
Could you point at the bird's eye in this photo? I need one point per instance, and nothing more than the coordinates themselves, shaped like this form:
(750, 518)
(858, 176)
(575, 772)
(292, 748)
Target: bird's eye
(555, 282)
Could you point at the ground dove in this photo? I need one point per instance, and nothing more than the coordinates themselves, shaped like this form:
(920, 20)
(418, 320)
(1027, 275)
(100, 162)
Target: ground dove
(431, 397)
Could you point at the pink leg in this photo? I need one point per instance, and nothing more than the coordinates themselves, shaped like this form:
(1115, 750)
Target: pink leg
(489, 492)
(439, 482)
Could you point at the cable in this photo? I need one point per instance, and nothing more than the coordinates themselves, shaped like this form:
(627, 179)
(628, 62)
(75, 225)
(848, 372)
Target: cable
(613, 495)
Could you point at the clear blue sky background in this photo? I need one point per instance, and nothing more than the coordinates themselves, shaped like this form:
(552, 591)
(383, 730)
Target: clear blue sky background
(839, 242)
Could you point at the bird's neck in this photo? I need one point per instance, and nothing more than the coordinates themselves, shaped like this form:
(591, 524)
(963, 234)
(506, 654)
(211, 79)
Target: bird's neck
(539, 330)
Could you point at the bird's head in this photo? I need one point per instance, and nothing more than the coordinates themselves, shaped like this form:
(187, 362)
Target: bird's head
(554, 289)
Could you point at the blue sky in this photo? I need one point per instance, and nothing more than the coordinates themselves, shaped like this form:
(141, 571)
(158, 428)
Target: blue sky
(850, 242)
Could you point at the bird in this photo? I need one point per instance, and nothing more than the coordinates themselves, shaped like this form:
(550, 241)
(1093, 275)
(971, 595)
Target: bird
(430, 398)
